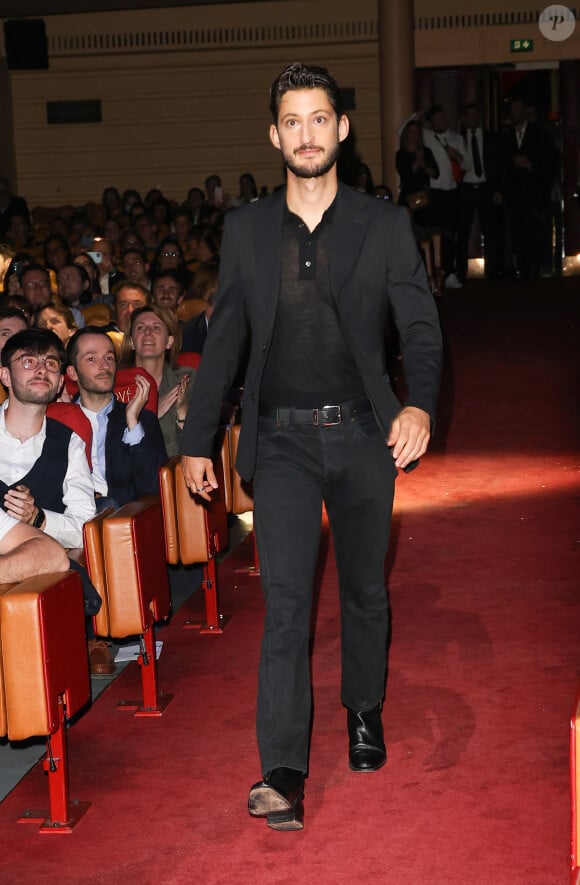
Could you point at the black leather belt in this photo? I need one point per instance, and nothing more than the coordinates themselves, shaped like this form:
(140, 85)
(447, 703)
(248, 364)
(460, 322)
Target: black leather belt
(325, 416)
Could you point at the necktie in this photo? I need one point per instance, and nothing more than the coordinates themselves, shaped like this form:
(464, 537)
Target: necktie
(477, 167)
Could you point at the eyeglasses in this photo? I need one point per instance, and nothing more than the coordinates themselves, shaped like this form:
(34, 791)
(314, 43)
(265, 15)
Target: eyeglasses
(170, 254)
(51, 363)
(35, 285)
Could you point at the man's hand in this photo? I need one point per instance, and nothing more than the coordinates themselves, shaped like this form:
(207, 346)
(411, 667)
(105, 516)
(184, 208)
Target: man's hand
(135, 406)
(19, 503)
(199, 476)
(409, 436)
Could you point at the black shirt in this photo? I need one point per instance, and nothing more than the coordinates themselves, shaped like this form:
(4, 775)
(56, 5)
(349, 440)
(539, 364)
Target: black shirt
(309, 364)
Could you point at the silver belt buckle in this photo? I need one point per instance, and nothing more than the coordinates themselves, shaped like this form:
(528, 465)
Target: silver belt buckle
(337, 415)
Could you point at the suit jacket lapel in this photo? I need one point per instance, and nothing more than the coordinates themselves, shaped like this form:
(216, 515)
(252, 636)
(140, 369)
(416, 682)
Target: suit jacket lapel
(349, 230)
(267, 243)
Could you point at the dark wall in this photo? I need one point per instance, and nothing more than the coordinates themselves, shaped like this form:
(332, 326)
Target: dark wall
(20, 8)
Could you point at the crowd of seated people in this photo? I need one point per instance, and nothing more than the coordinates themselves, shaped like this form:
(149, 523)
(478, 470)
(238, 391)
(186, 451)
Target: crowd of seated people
(82, 293)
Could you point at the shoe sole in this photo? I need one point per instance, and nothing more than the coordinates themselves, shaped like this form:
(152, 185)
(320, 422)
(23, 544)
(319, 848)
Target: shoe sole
(279, 813)
(367, 768)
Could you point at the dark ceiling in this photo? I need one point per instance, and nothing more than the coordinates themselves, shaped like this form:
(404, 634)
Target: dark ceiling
(20, 8)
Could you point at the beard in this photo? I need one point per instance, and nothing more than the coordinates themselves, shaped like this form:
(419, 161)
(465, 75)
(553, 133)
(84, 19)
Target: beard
(25, 394)
(326, 163)
(102, 385)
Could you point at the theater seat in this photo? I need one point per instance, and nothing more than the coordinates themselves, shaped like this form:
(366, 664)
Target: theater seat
(125, 554)
(44, 679)
(239, 496)
(195, 532)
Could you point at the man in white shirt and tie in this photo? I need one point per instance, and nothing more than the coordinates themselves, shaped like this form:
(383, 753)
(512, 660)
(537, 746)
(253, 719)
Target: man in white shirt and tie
(480, 192)
(449, 150)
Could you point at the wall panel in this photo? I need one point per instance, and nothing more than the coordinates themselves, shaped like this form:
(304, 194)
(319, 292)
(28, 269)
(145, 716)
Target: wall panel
(184, 91)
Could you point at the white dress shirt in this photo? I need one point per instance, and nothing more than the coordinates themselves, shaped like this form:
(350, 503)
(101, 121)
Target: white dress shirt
(470, 177)
(78, 494)
(99, 421)
(7, 522)
(437, 141)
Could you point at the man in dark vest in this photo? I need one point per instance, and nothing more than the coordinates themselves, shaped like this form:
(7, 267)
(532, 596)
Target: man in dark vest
(45, 479)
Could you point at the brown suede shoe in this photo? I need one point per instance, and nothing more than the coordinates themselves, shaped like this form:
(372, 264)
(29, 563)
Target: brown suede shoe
(101, 662)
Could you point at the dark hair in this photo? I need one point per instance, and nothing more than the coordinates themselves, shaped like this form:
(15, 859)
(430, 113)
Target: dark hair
(9, 312)
(433, 110)
(170, 274)
(61, 309)
(299, 76)
(73, 344)
(34, 341)
(62, 242)
(36, 267)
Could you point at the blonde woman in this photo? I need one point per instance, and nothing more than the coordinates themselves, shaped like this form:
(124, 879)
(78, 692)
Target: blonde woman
(155, 342)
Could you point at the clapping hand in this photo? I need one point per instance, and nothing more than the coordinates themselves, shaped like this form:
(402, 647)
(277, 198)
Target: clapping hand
(135, 405)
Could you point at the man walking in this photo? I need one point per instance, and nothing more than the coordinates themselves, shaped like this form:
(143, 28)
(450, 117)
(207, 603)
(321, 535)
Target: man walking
(313, 271)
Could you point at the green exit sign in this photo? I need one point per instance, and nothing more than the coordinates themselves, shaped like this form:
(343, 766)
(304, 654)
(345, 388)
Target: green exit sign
(521, 45)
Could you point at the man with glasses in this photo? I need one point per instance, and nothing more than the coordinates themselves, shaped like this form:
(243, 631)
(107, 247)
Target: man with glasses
(128, 296)
(35, 286)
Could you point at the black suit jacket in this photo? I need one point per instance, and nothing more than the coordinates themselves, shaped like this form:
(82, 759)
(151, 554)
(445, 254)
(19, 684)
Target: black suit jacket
(375, 268)
(538, 148)
(132, 470)
(491, 157)
(194, 333)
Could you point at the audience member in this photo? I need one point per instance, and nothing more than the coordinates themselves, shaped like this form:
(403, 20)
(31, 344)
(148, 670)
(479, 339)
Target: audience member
(35, 285)
(128, 296)
(136, 267)
(12, 320)
(528, 174)
(7, 253)
(58, 318)
(90, 266)
(417, 167)
(248, 190)
(450, 153)
(167, 290)
(10, 205)
(74, 290)
(194, 331)
(155, 339)
(480, 192)
(45, 479)
(107, 272)
(56, 252)
(128, 447)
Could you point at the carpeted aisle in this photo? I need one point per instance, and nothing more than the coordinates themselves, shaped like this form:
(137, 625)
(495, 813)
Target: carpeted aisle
(484, 668)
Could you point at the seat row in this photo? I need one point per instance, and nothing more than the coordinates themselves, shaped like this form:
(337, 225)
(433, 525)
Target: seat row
(44, 677)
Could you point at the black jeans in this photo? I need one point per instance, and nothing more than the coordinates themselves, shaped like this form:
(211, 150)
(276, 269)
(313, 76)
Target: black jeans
(350, 468)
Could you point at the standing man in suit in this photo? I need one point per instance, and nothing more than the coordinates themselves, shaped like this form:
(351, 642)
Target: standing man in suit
(529, 168)
(312, 272)
(480, 192)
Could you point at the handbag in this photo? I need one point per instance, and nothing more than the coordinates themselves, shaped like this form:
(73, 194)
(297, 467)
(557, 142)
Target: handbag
(417, 200)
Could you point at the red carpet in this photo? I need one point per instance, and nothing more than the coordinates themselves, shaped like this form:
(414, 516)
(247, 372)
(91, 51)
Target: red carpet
(484, 668)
